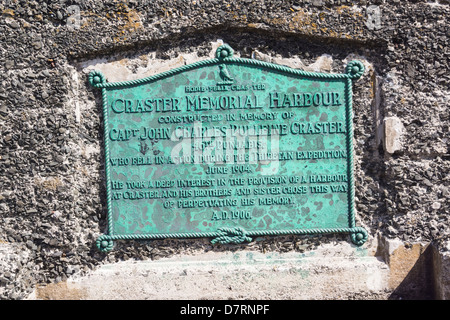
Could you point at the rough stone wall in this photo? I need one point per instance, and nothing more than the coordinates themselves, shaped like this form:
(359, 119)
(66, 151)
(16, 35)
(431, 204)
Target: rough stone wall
(52, 182)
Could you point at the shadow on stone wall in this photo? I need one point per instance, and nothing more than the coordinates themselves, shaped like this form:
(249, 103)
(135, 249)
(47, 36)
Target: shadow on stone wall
(418, 284)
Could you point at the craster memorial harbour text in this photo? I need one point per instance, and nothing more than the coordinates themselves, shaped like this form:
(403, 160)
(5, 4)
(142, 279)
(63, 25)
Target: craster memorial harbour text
(229, 148)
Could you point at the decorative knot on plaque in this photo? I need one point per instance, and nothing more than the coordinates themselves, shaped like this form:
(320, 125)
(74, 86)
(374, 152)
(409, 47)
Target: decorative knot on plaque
(224, 51)
(360, 236)
(354, 69)
(104, 243)
(96, 78)
(231, 235)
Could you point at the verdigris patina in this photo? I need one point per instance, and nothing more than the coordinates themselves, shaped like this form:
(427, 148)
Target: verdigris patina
(229, 148)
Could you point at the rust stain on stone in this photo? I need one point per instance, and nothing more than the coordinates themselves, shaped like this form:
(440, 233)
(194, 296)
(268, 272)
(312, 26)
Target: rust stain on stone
(60, 291)
(402, 261)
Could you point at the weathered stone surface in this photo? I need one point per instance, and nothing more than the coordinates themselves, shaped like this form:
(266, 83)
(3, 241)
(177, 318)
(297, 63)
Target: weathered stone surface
(333, 271)
(393, 134)
(441, 261)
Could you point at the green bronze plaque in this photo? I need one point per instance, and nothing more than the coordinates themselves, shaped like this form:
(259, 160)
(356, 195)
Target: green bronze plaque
(229, 148)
